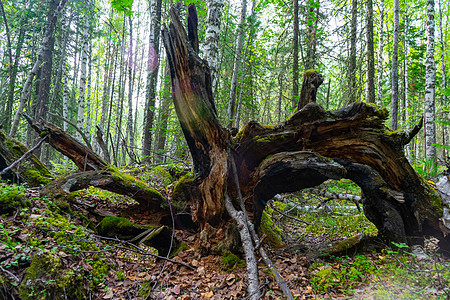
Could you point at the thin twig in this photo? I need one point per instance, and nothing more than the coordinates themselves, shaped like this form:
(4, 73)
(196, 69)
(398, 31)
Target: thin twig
(288, 216)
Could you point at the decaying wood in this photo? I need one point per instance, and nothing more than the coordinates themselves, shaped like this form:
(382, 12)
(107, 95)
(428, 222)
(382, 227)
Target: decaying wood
(353, 142)
(311, 82)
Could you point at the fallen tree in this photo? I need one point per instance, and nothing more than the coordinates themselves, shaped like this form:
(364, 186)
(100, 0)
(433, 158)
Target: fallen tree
(309, 148)
(312, 146)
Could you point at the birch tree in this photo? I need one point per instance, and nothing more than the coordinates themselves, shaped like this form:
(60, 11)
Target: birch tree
(394, 89)
(406, 80)
(212, 38)
(430, 129)
(82, 90)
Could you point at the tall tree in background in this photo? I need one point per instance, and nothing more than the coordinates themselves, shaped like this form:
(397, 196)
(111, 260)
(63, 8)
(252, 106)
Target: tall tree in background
(295, 56)
(444, 79)
(152, 76)
(131, 66)
(394, 90)
(430, 128)
(406, 80)
(370, 92)
(380, 57)
(212, 39)
(237, 62)
(82, 91)
(46, 41)
(312, 20)
(352, 89)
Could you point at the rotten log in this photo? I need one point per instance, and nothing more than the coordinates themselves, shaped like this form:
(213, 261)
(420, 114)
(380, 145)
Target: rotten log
(311, 82)
(352, 140)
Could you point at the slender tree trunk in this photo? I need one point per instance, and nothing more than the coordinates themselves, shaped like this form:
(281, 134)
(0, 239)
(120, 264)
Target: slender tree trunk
(165, 112)
(352, 89)
(312, 20)
(88, 95)
(394, 89)
(82, 91)
(65, 108)
(152, 76)
(430, 128)
(295, 56)
(45, 44)
(212, 39)
(370, 97)
(237, 61)
(106, 82)
(408, 120)
(444, 79)
(131, 66)
(380, 57)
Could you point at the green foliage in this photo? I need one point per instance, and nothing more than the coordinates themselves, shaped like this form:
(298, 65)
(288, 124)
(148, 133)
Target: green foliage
(428, 168)
(123, 6)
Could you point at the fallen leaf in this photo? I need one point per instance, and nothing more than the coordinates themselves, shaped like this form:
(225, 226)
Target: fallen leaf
(207, 294)
(176, 290)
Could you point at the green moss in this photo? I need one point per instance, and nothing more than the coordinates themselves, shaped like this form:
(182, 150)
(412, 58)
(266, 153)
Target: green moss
(231, 261)
(182, 192)
(310, 72)
(35, 178)
(130, 181)
(183, 246)
(272, 231)
(111, 225)
(11, 197)
(46, 279)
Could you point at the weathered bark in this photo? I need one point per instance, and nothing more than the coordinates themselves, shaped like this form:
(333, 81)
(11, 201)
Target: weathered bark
(311, 82)
(310, 147)
(82, 90)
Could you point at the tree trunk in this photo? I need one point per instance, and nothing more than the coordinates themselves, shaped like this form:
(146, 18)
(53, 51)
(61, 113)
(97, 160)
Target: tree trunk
(295, 56)
(237, 62)
(312, 21)
(370, 97)
(53, 15)
(312, 146)
(212, 39)
(394, 90)
(82, 91)
(165, 112)
(430, 127)
(444, 79)
(131, 66)
(407, 100)
(352, 90)
(380, 57)
(152, 75)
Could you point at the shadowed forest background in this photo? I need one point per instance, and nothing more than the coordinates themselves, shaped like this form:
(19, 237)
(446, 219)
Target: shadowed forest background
(126, 193)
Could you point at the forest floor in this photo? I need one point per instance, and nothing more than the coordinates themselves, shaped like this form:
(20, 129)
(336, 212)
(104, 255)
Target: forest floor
(56, 247)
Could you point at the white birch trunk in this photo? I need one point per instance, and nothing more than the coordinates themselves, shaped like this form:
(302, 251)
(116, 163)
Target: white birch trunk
(212, 38)
(65, 98)
(130, 134)
(82, 92)
(444, 83)
(430, 128)
(237, 60)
